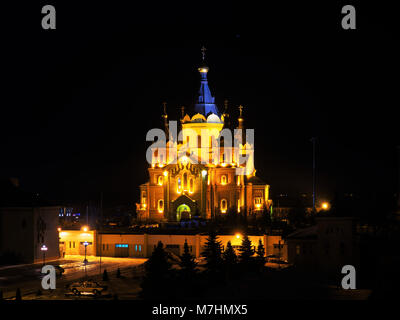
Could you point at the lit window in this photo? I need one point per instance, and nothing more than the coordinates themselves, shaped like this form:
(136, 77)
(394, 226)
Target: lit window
(144, 196)
(160, 205)
(160, 180)
(179, 183)
(223, 179)
(258, 203)
(298, 250)
(224, 205)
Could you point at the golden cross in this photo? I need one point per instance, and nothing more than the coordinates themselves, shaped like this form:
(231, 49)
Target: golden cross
(240, 109)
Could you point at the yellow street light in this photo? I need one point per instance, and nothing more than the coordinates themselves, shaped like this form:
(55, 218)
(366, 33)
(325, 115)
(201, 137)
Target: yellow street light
(325, 205)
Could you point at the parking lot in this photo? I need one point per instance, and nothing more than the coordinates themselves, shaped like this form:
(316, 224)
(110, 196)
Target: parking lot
(28, 277)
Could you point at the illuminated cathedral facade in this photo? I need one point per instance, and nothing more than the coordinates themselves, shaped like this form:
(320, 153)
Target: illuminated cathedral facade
(201, 175)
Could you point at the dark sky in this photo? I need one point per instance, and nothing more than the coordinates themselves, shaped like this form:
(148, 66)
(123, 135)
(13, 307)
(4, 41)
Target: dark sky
(76, 102)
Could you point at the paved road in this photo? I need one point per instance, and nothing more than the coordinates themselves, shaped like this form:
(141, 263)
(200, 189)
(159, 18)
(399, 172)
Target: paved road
(28, 277)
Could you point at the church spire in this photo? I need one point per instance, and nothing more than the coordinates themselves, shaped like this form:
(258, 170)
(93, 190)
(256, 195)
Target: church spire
(240, 119)
(241, 124)
(205, 102)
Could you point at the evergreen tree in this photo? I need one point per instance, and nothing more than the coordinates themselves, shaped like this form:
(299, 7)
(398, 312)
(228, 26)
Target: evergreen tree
(260, 258)
(230, 260)
(187, 274)
(212, 253)
(157, 274)
(187, 264)
(229, 255)
(246, 252)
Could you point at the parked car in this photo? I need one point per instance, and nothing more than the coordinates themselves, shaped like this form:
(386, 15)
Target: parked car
(88, 287)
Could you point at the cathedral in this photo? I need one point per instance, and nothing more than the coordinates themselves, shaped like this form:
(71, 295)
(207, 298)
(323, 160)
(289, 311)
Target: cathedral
(202, 174)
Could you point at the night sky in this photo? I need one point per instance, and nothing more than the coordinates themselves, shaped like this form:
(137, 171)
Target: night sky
(76, 102)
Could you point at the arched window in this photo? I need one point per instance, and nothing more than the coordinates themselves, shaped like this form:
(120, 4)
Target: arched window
(160, 205)
(179, 184)
(224, 205)
(223, 179)
(160, 180)
(258, 203)
(144, 197)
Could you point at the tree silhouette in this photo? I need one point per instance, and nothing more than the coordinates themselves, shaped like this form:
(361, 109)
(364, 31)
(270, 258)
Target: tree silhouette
(157, 274)
(230, 260)
(187, 264)
(187, 274)
(229, 255)
(260, 254)
(212, 253)
(246, 253)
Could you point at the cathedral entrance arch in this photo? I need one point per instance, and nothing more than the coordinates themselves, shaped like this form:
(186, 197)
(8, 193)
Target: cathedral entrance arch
(183, 212)
(183, 208)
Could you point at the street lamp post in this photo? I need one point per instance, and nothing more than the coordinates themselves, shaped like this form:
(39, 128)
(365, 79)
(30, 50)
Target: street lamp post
(85, 261)
(44, 249)
(313, 140)
(85, 244)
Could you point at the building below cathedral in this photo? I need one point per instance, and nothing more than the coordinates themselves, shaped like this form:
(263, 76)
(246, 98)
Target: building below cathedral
(199, 178)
